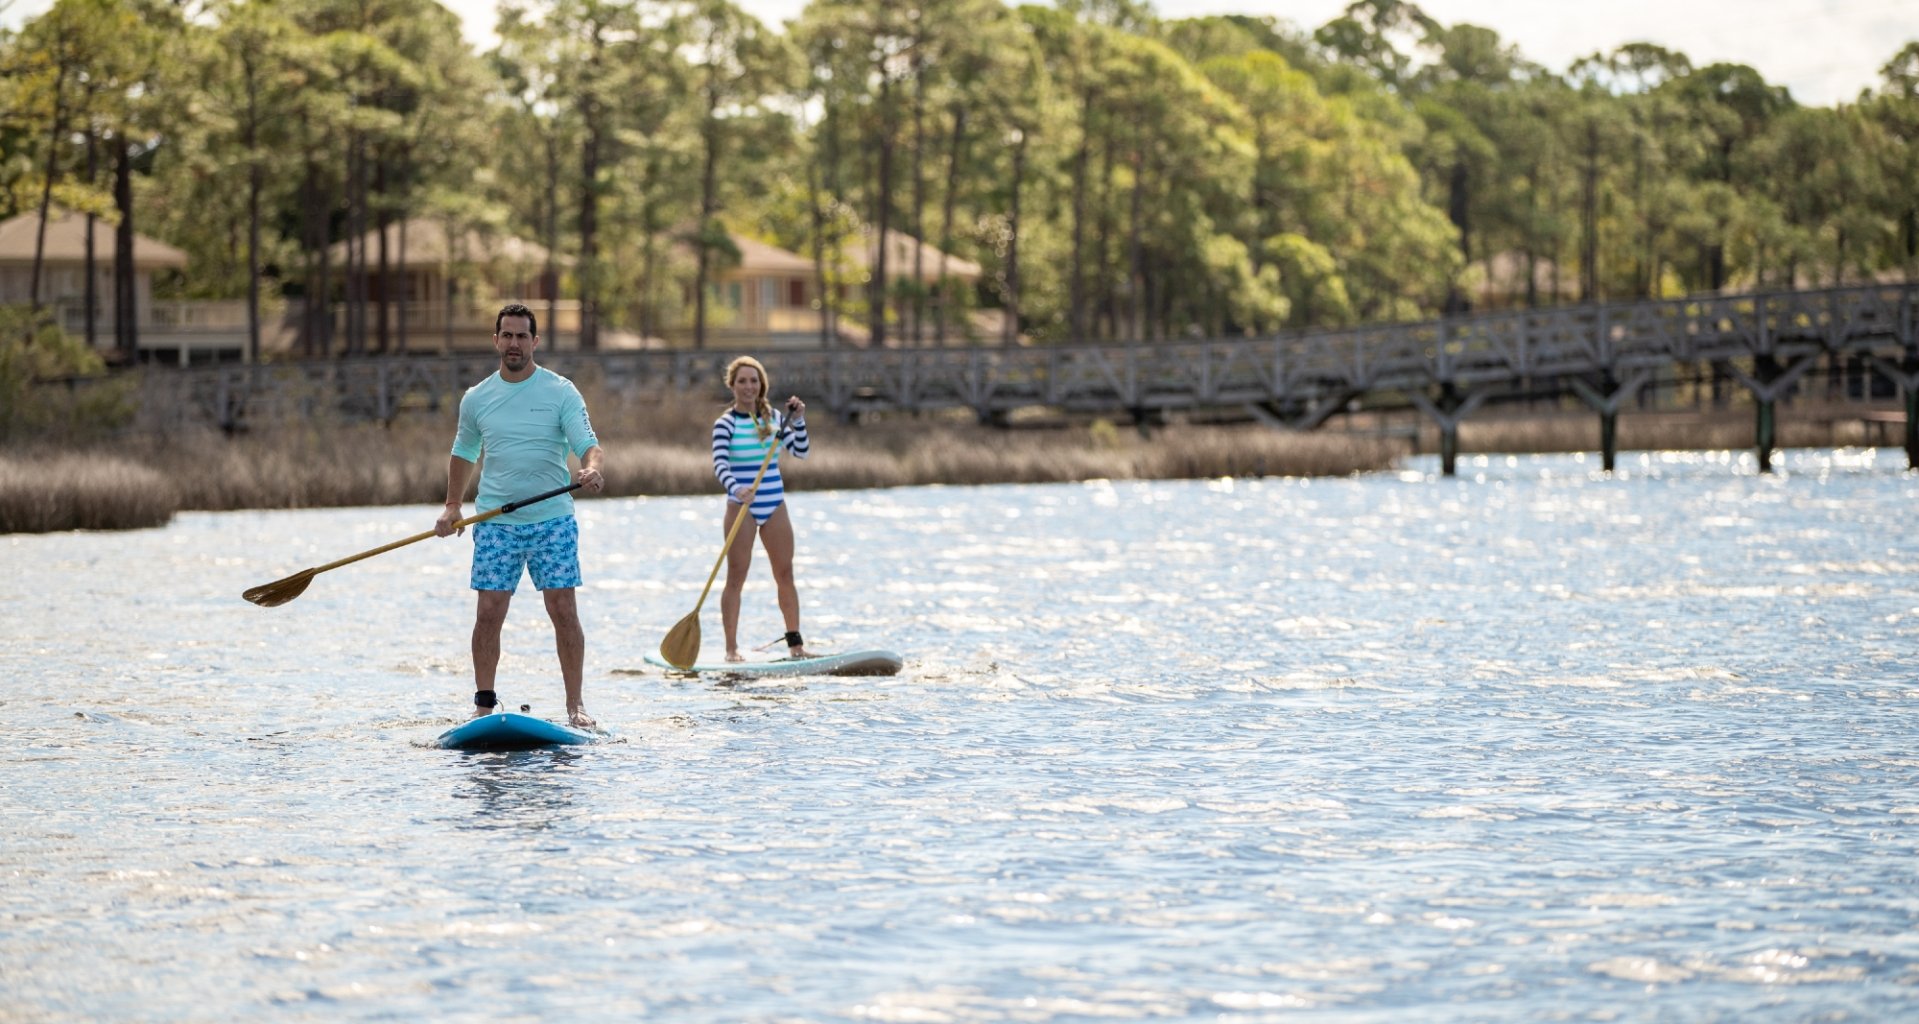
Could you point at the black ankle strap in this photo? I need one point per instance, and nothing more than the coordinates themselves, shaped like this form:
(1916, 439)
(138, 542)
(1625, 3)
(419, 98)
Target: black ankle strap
(485, 699)
(793, 638)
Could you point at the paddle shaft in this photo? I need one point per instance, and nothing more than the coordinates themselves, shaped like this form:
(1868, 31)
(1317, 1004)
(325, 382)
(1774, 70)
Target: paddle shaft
(746, 509)
(461, 525)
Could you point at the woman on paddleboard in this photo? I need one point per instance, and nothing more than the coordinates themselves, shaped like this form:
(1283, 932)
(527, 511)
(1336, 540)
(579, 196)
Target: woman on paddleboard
(747, 434)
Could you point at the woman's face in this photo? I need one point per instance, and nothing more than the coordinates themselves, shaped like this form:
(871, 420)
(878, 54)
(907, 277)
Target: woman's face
(746, 387)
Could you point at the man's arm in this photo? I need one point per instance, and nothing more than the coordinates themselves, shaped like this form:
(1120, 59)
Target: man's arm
(458, 473)
(589, 475)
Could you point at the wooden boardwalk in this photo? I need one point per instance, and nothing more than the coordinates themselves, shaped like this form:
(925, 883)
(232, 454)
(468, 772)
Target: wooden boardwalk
(1605, 353)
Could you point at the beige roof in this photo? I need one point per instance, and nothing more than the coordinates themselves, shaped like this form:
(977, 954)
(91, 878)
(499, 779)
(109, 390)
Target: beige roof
(759, 257)
(899, 259)
(426, 246)
(67, 242)
(756, 257)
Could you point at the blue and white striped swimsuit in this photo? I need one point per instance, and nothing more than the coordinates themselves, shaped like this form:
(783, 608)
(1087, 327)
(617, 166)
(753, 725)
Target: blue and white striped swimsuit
(737, 451)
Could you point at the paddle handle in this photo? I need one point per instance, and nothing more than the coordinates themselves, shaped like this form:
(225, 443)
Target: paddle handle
(461, 525)
(746, 509)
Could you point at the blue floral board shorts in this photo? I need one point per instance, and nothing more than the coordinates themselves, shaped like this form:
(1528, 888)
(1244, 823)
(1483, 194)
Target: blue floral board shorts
(549, 550)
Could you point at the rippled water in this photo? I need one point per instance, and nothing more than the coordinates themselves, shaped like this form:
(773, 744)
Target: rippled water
(1530, 744)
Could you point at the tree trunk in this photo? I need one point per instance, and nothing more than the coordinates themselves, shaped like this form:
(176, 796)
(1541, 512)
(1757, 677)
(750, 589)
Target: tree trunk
(918, 293)
(834, 250)
(256, 182)
(319, 333)
(382, 219)
(1106, 318)
(883, 202)
(1076, 289)
(709, 202)
(1532, 249)
(1135, 268)
(1589, 219)
(1909, 231)
(591, 113)
(550, 235)
(955, 151)
(1459, 211)
(90, 295)
(819, 247)
(589, 237)
(356, 247)
(309, 317)
(1641, 272)
(406, 285)
(126, 325)
(1009, 335)
(58, 129)
(649, 269)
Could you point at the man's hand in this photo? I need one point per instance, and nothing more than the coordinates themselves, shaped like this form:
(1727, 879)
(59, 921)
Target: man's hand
(449, 515)
(590, 478)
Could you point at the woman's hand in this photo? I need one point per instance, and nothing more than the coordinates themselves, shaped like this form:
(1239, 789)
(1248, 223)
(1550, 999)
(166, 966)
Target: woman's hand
(795, 410)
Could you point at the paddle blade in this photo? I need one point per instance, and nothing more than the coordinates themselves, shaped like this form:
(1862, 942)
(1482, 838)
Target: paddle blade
(681, 648)
(279, 592)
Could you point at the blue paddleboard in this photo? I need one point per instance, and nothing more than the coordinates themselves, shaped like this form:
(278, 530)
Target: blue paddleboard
(509, 731)
(852, 663)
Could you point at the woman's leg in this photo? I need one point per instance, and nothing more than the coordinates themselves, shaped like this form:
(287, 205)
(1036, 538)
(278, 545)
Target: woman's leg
(739, 558)
(777, 537)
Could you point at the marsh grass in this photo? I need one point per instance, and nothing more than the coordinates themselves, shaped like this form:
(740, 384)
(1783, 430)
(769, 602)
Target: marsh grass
(654, 447)
(658, 446)
(41, 493)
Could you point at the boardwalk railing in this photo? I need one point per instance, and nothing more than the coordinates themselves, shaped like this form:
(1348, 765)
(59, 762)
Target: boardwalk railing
(1604, 352)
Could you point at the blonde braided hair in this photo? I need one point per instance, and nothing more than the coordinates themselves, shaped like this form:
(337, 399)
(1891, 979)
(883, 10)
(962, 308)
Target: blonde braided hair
(762, 411)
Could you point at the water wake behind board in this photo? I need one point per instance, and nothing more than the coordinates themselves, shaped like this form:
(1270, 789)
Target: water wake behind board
(851, 663)
(509, 731)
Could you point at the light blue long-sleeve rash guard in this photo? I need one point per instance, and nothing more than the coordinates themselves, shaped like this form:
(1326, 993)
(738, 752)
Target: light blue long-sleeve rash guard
(525, 431)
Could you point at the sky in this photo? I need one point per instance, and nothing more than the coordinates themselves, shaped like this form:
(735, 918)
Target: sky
(1824, 51)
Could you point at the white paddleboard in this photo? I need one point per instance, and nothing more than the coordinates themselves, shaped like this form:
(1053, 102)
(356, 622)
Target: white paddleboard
(851, 663)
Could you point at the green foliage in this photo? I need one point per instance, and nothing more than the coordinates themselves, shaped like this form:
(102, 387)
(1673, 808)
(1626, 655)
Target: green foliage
(1114, 174)
(40, 368)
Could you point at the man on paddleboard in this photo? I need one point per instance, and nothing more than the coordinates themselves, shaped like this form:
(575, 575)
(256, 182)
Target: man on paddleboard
(525, 420)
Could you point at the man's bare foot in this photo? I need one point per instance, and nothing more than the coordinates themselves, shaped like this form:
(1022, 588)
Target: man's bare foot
(580, 719)
(480, 712)
(734, 655)
(798, 652)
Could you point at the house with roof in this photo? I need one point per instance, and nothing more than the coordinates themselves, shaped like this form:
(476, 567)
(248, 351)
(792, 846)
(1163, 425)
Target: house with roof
(446, 287)
(943, 277)
(444, 284)
(182, 332)
(768, 298)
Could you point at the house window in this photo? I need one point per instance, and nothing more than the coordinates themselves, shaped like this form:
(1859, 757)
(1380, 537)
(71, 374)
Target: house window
(795, 292)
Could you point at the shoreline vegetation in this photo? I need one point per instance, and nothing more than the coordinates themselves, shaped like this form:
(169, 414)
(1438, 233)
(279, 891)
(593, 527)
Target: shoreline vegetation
(657, 448)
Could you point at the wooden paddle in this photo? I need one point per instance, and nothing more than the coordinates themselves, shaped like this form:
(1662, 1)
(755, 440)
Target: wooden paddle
(279, 592)
(681, 648)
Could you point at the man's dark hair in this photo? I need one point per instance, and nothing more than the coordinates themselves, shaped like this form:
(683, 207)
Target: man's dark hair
(516, 309)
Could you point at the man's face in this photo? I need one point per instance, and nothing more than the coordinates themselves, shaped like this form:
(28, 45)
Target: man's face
(515, 343)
